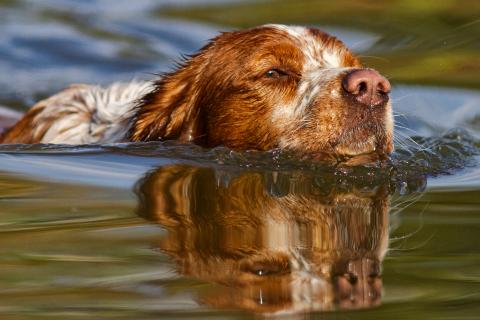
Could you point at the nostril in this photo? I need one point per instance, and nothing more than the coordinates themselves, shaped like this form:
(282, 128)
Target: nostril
(362, 87)
(383, 85)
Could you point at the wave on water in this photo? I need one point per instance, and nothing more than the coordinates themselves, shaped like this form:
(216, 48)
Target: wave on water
(407, 170)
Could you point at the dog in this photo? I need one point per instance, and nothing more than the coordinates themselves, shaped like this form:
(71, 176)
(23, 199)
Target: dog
(272, 243)
(268, 87)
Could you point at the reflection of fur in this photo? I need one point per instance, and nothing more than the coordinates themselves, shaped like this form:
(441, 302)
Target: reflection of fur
(302, 250)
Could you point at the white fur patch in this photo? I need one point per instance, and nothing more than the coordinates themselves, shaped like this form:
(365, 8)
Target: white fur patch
(322, 65)
(90, 114)
(331, 59)
(316, 54)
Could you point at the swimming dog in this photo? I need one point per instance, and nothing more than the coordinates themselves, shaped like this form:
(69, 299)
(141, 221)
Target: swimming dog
(272, 86)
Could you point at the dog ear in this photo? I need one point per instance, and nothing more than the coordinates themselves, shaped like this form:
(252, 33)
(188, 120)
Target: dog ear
(170, 111)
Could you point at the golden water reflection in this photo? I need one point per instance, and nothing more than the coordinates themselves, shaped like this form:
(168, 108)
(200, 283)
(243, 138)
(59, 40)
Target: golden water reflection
(274, 243)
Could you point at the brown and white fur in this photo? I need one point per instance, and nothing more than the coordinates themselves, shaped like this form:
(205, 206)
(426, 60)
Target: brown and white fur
(273, 86)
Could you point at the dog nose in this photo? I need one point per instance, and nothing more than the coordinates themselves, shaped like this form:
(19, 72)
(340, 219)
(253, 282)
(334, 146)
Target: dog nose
(367, 87)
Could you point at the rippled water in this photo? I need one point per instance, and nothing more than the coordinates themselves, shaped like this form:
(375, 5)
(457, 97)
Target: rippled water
(161, 230)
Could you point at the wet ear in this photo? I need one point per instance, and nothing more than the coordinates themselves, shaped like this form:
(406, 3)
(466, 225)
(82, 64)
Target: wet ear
(169, 111)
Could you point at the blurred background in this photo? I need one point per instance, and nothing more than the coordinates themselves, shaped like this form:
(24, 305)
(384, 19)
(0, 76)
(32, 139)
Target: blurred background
(46, 45)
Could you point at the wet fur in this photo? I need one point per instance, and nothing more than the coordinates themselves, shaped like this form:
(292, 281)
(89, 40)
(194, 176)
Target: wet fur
(222, 96)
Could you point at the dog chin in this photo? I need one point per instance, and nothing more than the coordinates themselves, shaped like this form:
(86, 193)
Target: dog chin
(351, 149)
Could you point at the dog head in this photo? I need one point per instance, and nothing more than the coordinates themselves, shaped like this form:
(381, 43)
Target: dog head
(269, 87)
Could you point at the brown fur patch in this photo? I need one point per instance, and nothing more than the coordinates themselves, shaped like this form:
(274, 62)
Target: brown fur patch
(206, 100)
(24, 130)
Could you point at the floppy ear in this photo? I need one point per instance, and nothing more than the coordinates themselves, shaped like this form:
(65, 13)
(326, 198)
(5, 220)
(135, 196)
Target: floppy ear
(171, 110)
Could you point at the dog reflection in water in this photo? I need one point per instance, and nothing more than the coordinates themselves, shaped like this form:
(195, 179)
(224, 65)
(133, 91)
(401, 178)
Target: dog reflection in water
(275, 244)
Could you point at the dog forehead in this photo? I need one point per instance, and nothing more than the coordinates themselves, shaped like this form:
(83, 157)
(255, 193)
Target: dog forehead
(319, 49)
(256, 49)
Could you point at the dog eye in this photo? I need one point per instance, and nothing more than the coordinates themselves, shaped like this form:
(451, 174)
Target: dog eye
(275, 73)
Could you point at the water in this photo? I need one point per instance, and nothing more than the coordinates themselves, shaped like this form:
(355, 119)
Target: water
(161, 230)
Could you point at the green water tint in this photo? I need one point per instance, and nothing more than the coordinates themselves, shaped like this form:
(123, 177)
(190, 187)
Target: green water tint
(187, 239)
(420, 42)
(267, 233)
